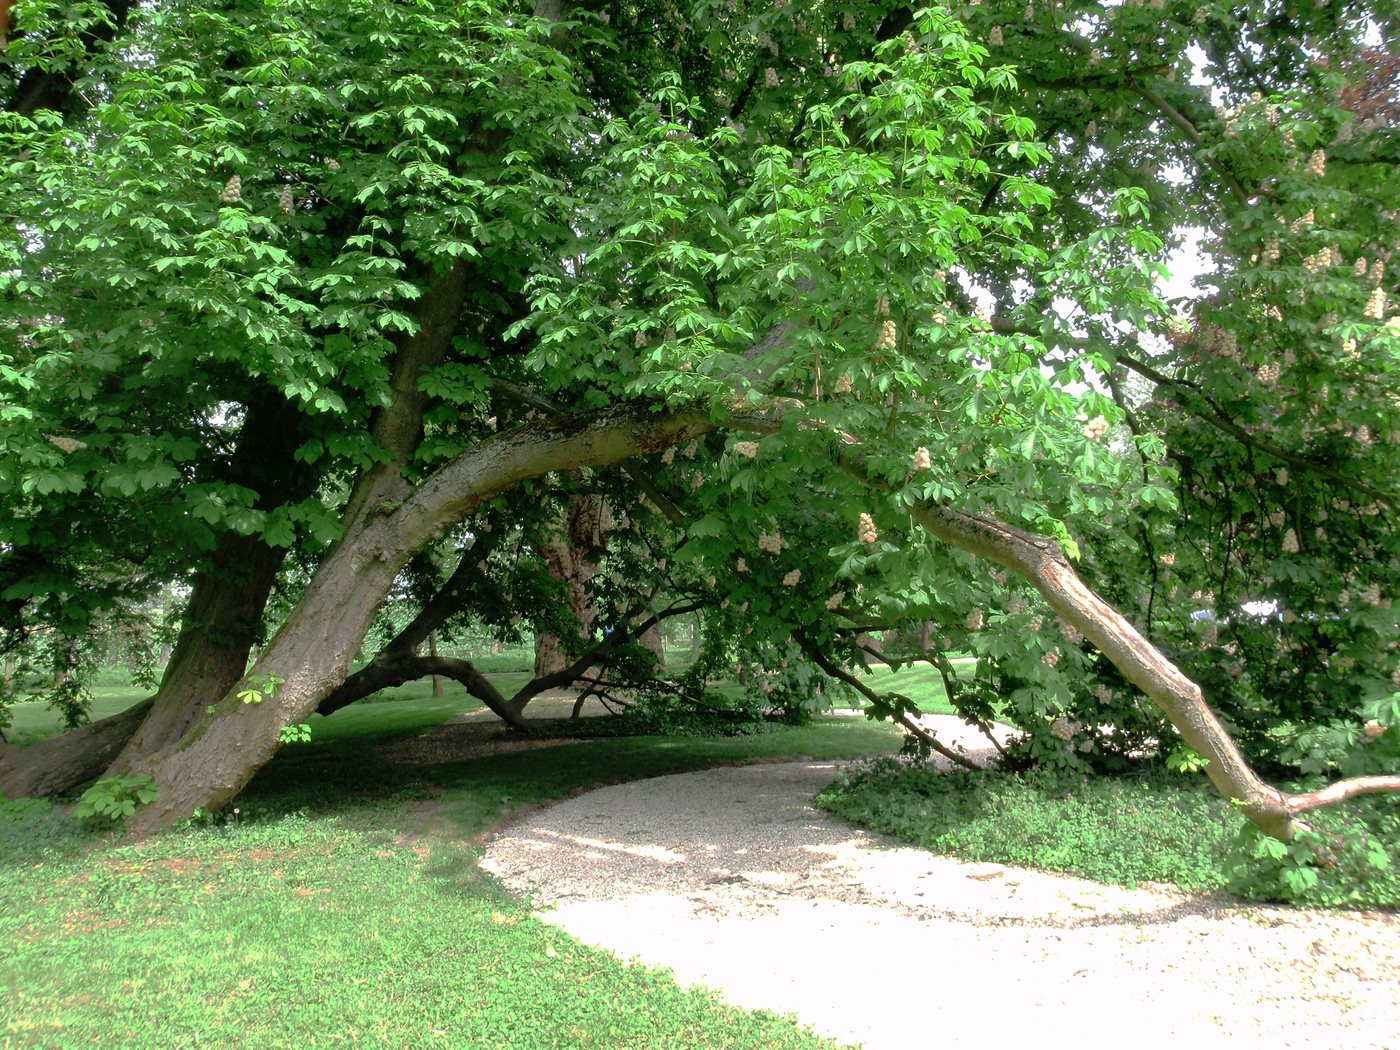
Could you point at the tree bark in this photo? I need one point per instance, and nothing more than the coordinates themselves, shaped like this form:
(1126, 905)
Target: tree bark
(211, 654)
(63, 762)
(570, 550)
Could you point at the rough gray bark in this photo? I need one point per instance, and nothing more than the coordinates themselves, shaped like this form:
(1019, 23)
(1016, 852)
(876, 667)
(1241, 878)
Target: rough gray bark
(63, 762)
(211, 654)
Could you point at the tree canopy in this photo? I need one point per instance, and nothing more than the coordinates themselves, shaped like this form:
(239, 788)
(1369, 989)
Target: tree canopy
(850, 307)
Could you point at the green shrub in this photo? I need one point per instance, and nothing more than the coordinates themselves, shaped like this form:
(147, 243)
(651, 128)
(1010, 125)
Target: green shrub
(1348, 859)
(117, 797)
(1122, 831)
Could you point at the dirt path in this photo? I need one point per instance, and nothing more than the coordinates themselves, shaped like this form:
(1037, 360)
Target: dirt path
(730, 878)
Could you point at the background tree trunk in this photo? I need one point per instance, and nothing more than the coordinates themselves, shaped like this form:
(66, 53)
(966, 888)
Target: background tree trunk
(570, 550)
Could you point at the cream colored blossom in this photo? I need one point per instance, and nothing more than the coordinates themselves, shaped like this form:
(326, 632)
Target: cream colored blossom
(1375, 305)
(1290, 542)
(746, 448)
(1168, 559)
(843, 385)
(233, 189)
(1373, 729)
(1317, 164)
(1095, 428)
(834, 602)
(1269, 373)
(770, 77)
(1282, 477)
(976, 619)
(921, 459)
(741, 565)
(286, 203)
(1063, 728)
(790, 580)
(994, 37)
(332, 164)
(1371, 595)
(689, 451)
(668, 456)
(866, 532)
(1070, 633)
(65, 444)
(888, 336)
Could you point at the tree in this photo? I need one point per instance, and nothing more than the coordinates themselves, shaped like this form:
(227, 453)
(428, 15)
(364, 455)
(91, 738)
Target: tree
(764, 247)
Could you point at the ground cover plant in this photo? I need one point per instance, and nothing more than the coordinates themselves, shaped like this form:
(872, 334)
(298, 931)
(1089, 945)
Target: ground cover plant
(1158, 826)
(341, 904)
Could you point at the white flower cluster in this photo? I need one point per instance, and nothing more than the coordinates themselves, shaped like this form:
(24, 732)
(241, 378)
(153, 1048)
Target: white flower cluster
(1091, 129)
(1290, 542)
(921, 459)
(1168, 559)
(669, 455)
(1064, 729)
(65, 445)
(1095, 428)
(1296, 226)
(1268, 374)
(866, 532)
(1319, 261)
(1317, 164)
(747, 448)
(976, 620)
(888, 336)
(689, 451)
(770, 77)
(1371, 595)
(286, 203)
(233, 189)
(994, 37)
(1103, 694)
(1282, 478)
(834, 602)
(1377, 272)
(1359, 267)
(1373, 729)
(773, 544)
(1070, 633)
(1036, 623)
(848, 21)
(790, 580)
(741, 565)
(1272, 250)
(1375, 305)
(1017, 605)
(332, 164)
(843, 385)
(1051, 658)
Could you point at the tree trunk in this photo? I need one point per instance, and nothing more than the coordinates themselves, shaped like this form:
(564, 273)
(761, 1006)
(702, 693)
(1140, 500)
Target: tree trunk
(437, 679)
(217, 633)
(209, 659)
(570, 550)
(63, 762)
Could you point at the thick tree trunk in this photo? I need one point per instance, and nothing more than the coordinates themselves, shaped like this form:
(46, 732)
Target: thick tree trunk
(209, 659)
(217, 633)
(570, 550)
(390, 669)
(63, 762)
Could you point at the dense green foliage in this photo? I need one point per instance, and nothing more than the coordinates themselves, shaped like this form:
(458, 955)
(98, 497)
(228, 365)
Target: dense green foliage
(266, 253)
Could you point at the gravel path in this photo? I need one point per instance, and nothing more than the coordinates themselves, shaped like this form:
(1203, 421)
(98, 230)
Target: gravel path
(731, 879)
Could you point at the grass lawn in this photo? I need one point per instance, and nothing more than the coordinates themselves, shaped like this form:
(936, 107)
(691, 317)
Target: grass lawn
(324, 917)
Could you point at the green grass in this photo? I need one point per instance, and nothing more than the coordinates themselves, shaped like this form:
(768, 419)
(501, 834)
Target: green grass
(311, 920)
(1169, 829)
(33, 720)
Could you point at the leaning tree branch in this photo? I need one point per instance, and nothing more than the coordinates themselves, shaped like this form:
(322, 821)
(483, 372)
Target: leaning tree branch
(1341, 791)
(835, 671)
